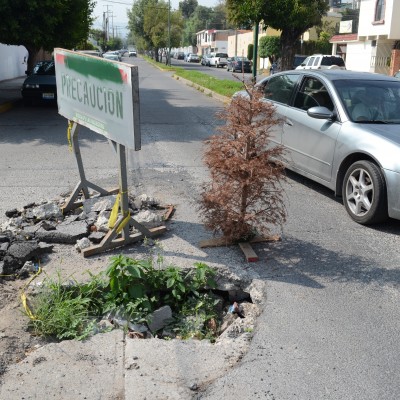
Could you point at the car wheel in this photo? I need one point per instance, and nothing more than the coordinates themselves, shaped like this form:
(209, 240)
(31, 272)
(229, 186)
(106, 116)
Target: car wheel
(364, 193)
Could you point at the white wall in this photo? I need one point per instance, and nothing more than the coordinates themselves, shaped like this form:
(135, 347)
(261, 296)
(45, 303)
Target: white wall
(358, 56)
(12, 63)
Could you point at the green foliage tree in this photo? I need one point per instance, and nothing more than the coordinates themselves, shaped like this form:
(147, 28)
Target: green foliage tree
(187, 7)
(291, 17)
(269, 46)
(250, 50)
(114, 43)
(45, 24)
(148, 22)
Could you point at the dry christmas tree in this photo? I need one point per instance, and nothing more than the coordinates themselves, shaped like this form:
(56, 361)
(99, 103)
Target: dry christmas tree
(244, 197)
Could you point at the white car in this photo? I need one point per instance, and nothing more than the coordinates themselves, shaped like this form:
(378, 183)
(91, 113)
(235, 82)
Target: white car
(218, 60)
(322, 61)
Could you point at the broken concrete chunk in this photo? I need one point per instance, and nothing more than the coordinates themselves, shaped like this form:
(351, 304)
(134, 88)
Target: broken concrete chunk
(83, 243)
(148, 218)
(12, 213)
(27, 269)
(65, 233)
(24, 251)
(102, 221)
(99, 204)
(47, 211)
(146, 201)
(97, 237)
(160, 318)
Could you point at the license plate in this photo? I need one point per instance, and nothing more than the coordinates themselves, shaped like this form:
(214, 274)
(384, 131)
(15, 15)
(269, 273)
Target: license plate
(48, 96)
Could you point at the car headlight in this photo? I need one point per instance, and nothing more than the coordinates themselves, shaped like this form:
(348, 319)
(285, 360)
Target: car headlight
(31, 86)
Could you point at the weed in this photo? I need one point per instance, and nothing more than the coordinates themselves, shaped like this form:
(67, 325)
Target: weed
(132, 289)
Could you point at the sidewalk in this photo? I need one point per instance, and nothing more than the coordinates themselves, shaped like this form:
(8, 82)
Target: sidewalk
(10, 92)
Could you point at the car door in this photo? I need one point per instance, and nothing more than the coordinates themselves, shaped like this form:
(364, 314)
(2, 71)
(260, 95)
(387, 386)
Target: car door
(279, 89)
(310, 142)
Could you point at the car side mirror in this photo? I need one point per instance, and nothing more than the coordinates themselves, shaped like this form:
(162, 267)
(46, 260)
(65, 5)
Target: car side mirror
(321, 113)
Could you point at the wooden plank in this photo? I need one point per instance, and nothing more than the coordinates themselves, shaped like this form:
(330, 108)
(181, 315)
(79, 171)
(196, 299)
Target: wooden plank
(215, 242)
(169, 212)
(260, 239)
(248, 251)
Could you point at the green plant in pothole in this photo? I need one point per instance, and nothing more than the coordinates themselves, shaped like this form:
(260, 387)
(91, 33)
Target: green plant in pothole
(66, 310)
(138, 288)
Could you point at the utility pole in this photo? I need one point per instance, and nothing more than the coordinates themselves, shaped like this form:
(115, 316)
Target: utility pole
(169, 33)
(255, 51)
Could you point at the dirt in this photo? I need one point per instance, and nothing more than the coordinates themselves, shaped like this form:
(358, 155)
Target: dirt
(15, 340)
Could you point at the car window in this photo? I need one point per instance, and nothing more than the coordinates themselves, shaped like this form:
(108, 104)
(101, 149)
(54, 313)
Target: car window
(332, 60)
(366, 100)
(45, 68)
(313, 93)
(316, 61)
(310, 61)
(223, 55)
(280, 88)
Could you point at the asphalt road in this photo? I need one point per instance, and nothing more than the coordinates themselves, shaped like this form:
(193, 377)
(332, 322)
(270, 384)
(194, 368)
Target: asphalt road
(331, 325)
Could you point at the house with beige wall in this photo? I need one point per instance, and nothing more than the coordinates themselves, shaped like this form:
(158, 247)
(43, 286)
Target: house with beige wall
(371, 48)
(210, 40)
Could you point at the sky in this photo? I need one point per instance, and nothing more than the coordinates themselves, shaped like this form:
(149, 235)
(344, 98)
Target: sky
(117, 9)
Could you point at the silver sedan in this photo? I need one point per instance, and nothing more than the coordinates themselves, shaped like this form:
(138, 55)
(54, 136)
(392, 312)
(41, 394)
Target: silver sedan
(342, 129)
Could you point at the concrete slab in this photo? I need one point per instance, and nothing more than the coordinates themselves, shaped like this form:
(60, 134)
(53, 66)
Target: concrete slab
(70, 370)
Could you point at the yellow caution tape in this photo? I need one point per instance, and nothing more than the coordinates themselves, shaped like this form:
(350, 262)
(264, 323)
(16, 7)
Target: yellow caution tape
(70, 124)
(114, 212)
(24, 299)
(123, 222)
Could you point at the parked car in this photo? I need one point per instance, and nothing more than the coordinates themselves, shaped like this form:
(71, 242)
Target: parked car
(238, 64)
(132, 53)
(193, 58)
(179, 55)
(298, 60)
(111, 56)
(205, 60)
(342, 129)
(96, 53)
(320, 61)
(218, 60)
(40, 85)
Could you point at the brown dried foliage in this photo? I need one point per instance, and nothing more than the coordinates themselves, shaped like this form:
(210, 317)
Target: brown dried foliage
(244, 197)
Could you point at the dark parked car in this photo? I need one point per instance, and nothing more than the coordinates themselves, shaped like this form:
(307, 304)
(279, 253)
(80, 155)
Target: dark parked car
(342, 129)
(238, 64)
(40, 85)
(179, 55)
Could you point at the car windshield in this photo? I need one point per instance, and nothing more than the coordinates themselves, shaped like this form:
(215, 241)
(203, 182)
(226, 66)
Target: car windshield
(370, 101)
(44, 68)
(332, 60)
(223, 55)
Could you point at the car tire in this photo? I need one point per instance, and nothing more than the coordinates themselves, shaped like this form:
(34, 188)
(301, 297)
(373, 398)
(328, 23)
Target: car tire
(364, 193)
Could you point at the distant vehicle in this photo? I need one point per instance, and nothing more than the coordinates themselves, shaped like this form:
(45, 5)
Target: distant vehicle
(193, 58)
(111, 56)
(132, 53)
(322, 61)
(96, 53)
(40, 85)
(397, 75)
(180, 55)
(298, 59)
(218, 60)
(238, 64)
(205, 60)
(112, 53)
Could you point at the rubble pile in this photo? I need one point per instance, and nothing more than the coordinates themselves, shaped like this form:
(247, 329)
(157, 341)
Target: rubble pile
(30, 232)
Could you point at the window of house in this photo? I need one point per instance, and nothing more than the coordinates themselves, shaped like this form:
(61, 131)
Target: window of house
(379, 10)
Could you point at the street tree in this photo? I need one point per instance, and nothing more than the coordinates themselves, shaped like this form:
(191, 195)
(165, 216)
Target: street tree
(45, 24)
(291, 17)
(270, 47)
(187, 7)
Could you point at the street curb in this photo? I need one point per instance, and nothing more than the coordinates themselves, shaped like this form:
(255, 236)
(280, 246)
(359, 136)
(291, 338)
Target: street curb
(207, 92)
